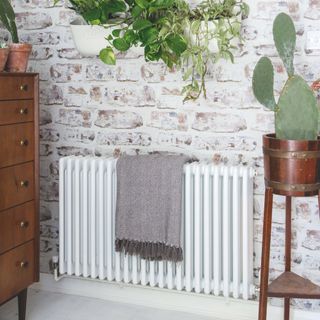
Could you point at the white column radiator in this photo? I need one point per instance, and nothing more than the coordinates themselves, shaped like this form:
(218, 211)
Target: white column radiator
(217, 229)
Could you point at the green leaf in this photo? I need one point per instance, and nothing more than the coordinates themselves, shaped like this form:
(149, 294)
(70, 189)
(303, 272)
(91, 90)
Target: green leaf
(130, 36)
(92, 16)
(144, 4)
(176, 43)
(107, 56)
(187, 74)
(195, 26)
(136, 11)
(148, 35)
(165, 4)
(115, 6)
(141, 24)
(7, 17)
(116, 32)
(121, 44)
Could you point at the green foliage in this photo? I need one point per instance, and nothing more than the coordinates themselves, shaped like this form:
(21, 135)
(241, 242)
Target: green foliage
(296, 113)
(7, 17)
(297, 116)
(107, 56)
(284, 35)
(169, 30)
(262, 83)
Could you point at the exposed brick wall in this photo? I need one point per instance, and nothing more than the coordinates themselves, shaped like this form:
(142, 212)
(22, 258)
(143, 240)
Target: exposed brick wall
(89, 108)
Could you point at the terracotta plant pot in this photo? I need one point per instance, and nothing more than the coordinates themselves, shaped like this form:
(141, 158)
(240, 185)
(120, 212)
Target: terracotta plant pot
(4, 52)
(18, 57)
(292, 167)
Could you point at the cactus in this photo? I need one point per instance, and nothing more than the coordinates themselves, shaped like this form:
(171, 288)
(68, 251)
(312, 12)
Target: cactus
(7, 17)
(296, 113)
(284, 35)
(263, 83)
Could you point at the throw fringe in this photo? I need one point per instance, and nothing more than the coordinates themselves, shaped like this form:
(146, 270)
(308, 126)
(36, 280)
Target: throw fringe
(149, 250)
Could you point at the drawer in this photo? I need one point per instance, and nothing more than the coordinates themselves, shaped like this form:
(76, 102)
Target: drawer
(16, 111)
(16, 185)
(16, 226)
(17, 144)
(16, 270)
(12, 88)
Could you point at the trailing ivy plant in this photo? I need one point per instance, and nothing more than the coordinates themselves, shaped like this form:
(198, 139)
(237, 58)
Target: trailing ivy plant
(171, 31)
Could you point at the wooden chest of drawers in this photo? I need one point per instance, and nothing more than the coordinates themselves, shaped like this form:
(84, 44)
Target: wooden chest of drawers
(19, 186)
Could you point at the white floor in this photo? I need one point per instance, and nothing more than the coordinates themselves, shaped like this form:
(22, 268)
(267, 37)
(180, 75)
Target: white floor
(43, 305)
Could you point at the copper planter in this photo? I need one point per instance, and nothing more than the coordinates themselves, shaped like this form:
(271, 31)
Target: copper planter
(292, 167)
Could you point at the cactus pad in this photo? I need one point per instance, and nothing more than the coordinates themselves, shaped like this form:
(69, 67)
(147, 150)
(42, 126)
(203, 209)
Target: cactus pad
(263, 83)
(297, 114)
(284, 35)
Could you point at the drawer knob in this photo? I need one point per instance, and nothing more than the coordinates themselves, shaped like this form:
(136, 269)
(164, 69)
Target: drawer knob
(24, 142)
(24, 224)
(23, 264)
(24, 111)
(24, 87)
(24, 183)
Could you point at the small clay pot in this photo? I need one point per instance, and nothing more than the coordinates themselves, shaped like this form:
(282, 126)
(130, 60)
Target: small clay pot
(18, 57)
(4, 52)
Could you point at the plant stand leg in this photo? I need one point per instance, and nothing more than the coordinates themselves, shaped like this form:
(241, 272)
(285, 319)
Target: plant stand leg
(22, 304)
(288, 253)
(265, 255)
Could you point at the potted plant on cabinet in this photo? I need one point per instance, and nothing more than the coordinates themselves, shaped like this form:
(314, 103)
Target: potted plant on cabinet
(4, 52)
(18, 52)
(167, 30)
(291, 160)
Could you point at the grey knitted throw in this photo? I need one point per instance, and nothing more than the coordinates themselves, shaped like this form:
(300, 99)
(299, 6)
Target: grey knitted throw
(149, 200)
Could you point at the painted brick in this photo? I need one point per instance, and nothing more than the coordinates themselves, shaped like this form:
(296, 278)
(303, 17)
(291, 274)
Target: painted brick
(45, 117)
(66, 72)
(65, 151)
(32, 4)
(33, 20)
(74, 118)
(51, 95)
(142, 96)
(118, 119)
(78, 135)
(43, 38)
(65, 17)
(312, 240)
(169, 120)
(124, 138)
(100, 72)
(69, 53)
(49, 135)
(41, 53)
(218, 122)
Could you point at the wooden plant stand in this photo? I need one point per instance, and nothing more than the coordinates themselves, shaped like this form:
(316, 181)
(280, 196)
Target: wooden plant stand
(292, 169)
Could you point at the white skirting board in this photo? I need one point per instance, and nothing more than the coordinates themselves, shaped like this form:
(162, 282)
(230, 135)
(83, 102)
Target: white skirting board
(205, 305)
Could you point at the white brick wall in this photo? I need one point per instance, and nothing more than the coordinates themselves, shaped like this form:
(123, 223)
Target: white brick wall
(136, 107)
